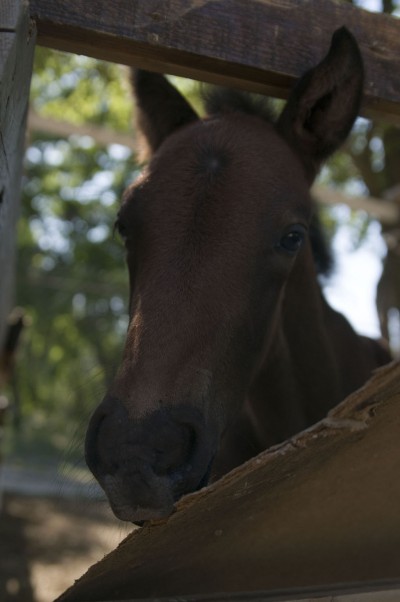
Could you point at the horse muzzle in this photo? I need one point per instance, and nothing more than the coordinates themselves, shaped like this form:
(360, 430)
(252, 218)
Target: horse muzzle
(145, 466)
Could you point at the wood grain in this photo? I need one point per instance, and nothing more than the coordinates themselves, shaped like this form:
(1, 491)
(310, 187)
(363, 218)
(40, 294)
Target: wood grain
(17, 36)
(319, 511)
(259, 45)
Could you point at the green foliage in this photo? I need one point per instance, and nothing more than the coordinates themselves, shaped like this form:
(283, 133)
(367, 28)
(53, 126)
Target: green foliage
(80, 89)
(71, 276)
(72, 279)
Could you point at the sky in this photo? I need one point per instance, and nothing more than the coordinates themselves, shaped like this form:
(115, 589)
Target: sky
(352, 287)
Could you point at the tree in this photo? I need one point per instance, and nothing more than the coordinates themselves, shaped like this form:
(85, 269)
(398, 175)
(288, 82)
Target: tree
(71, 276)
(374, 151)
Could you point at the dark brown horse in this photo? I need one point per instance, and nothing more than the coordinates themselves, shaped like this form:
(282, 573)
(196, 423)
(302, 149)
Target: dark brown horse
(231, 346)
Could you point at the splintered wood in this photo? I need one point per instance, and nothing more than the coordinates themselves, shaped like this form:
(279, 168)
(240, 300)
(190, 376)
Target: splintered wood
(318, 510)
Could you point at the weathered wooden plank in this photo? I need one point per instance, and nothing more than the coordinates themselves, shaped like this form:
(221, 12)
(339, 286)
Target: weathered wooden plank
(312, 595)
(102, 134)
(10, 11)
(260, 45)
(385, 211)
(318, 510)
(17, 35)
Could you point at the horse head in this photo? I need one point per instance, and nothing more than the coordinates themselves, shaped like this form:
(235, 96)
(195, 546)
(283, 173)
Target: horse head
(215, 228)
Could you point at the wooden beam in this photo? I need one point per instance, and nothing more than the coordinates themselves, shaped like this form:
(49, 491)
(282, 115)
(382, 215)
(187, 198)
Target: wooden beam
(386, 212)
(320, 511)
(17, 37)
(315, 594)
(259, 45)
(101, 134)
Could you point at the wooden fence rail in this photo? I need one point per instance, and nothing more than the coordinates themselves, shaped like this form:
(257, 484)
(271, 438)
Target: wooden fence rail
(260, 45)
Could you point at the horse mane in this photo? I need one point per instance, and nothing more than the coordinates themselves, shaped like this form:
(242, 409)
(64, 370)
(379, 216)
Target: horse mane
(217, 101)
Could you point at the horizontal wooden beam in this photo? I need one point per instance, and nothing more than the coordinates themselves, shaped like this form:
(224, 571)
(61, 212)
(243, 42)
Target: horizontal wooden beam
(259, 45)
(316, 594)
(385, 211)
(101, 134)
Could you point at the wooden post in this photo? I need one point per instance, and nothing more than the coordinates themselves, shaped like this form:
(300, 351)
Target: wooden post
(17, 37)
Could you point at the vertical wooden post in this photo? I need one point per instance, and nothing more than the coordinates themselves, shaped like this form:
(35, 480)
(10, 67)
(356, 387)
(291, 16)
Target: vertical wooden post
(17, 38)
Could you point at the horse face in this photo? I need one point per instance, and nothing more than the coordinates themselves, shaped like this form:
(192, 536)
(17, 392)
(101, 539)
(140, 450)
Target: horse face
(213, 229)
(209, 251)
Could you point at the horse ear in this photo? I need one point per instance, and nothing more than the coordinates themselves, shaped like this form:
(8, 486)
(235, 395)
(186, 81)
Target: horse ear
(324, 103)
(161, 108)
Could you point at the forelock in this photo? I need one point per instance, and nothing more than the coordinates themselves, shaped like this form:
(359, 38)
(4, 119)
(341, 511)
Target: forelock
(219, 101)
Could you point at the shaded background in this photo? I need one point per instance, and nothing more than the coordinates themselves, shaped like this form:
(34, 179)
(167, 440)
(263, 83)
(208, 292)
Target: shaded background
(72, 286)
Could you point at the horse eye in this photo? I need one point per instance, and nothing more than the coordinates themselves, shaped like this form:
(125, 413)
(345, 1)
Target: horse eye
(121, 229)
(293, 239)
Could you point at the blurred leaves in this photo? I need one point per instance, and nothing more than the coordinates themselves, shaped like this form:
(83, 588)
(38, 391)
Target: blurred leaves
(81, 90)
(71, 276)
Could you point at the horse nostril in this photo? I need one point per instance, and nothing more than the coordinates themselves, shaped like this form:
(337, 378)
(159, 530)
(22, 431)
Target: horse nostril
(174, 450)
(100, 437)
(146, 465)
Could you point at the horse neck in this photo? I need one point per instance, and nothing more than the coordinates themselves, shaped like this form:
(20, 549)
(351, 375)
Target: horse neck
(297, 382)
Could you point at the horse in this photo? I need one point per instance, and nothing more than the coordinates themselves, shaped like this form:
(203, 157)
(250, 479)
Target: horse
(231, 347)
